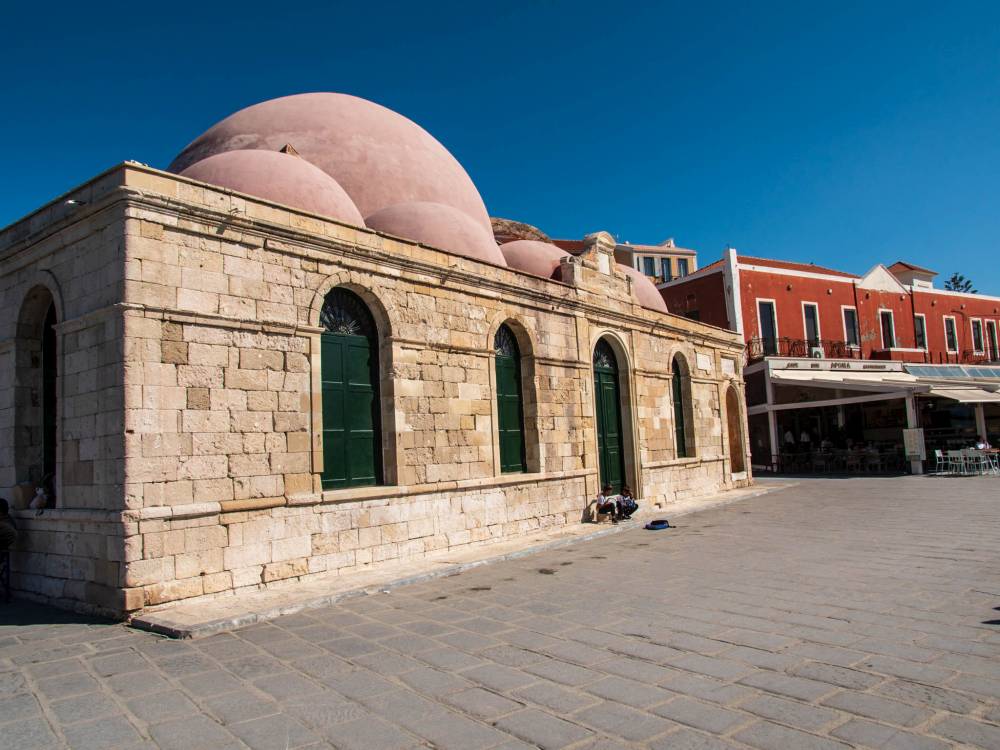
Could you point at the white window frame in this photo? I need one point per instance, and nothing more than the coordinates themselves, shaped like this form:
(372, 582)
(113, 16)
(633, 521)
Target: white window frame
(760, 327)
(881, 333)
(954, 325)
(669, 276)
(805, 328)
(982, 335)
(857, 326)
(991, 325)
(926, 345)
(688, 270)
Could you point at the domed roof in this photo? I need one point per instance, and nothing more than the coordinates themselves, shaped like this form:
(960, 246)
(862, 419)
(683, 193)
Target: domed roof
(534, 257)
(278, 177)
(644, 289)
(439, 226)
(378, 156)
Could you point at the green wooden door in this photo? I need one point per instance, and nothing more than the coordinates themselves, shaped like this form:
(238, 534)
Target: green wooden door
(679, 431)
(349, 373)
(510, 410)
(609, 421)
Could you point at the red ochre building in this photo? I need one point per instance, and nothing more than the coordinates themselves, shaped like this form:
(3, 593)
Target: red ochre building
(852, 360)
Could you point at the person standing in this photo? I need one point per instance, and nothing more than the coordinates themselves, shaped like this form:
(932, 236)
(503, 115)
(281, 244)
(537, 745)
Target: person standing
(8, 537)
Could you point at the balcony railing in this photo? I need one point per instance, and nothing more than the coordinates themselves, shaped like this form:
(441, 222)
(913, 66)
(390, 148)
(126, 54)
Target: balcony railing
(758, 348)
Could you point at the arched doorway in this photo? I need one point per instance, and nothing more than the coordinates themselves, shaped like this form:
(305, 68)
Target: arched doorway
(36, 391)
(607, 396)
(737, 446)
(510, 408)
(352, 443)
(680, 385)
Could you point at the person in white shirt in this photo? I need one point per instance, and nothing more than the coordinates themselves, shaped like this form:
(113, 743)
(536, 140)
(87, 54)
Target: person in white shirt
(606, 503)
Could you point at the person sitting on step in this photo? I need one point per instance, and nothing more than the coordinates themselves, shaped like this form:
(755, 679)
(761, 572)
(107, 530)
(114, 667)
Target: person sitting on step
(626, 503)
(606, 503)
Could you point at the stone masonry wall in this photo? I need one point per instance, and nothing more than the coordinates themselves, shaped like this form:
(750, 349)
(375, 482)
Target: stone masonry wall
(223, 471)
(190, 451)
(72, 256)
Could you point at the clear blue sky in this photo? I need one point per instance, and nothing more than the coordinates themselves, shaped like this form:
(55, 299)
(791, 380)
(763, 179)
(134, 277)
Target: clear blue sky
(841, 133)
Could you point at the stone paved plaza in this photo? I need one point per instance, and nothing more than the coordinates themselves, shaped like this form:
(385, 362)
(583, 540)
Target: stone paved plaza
(833, 613)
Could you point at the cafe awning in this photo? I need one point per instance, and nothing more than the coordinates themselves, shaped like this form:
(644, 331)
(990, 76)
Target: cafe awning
(966, 395)
(849, 380)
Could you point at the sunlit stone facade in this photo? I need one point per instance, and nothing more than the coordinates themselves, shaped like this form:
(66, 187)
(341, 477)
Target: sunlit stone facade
(187, 417)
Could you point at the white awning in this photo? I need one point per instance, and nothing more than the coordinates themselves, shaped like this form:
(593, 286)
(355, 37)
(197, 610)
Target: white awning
(966, 395)
(849, 380)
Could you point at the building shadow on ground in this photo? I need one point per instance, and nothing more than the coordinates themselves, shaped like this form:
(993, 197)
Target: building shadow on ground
(21, 612)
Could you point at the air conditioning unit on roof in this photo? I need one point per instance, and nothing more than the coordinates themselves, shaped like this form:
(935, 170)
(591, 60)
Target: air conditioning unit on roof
(816, 352)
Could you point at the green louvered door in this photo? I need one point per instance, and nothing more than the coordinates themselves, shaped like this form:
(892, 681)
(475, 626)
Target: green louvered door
(609, 419)
(510, 410)
(351, 439)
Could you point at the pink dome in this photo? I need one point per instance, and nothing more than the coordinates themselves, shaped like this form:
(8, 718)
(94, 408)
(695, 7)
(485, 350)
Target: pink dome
(534, 257)
(278, 177)
(439, 226)
(378, 156)
(645, 290)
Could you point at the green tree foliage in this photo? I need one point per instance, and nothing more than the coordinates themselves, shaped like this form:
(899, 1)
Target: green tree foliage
(958, 283)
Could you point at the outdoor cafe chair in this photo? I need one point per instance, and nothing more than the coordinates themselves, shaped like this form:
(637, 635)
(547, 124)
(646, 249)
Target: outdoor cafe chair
(956, 461)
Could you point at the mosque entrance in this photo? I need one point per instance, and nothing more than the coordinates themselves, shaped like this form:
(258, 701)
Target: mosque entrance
(607, 394)
(350, 377)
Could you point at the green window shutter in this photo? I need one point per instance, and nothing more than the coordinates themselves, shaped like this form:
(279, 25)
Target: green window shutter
(510, 409)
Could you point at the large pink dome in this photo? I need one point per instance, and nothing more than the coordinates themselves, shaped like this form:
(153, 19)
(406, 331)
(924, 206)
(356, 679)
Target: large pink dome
(378, 156)
(278, 177)
(439, 226)
(644, 289)
(534, 257)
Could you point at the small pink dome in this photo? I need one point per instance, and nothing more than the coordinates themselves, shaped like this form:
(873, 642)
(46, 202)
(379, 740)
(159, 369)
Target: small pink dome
(278, 177)
(534, 257)
(439, 226)
(645, 290)
(379, 157)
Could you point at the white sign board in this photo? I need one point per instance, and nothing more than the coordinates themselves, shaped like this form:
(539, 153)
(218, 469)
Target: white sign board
(728, 366)
(704, 361)
(834, 365)
(913, 443)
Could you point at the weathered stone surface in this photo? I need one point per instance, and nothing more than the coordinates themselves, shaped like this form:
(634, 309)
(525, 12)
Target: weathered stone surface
(203, 389)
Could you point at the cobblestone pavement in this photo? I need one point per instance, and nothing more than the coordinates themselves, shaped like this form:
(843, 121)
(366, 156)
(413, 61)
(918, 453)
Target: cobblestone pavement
(833, 614)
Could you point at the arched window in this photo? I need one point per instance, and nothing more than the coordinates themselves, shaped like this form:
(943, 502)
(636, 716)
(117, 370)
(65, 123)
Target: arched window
(35, 390)
(49, 376)
(510, 407)
(680, 407)
(352, 442)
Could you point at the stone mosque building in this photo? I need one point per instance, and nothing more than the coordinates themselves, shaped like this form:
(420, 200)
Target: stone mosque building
(302, 349)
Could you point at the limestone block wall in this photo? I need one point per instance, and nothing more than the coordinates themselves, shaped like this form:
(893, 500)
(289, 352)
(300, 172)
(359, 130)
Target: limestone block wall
(225, 483)
(70, 257)
(190, 450)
